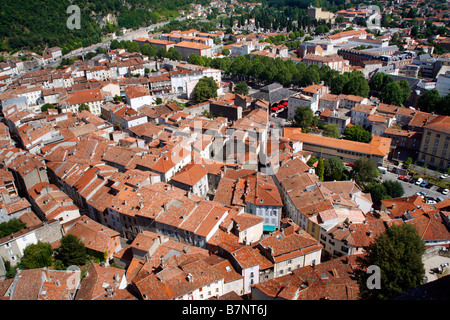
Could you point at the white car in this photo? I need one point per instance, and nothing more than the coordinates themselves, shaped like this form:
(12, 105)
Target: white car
(419, 181)
(445, 191)
(431, 201)
(444, 176)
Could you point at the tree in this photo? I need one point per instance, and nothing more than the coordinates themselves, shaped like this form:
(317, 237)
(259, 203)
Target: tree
(72, 251)
(133, 47)
(331, 130)
(397, 253)
(37, 255)
(365, 170)
(407, 163)
(83, 106)
(11, 226)
(357, 133)
(320, 169)
(304, 117)
(394, 189)
(429, 101)
(356, 84)
(161, 53)
(174, 54)
(226, 52)
(337, 83)
(311, 76)
(241, 88)
(379, 80)
(47, 106)
(377, 192)
(196, 59)
(205, 89)
(334, 169)
(392, 93)
(405, 90)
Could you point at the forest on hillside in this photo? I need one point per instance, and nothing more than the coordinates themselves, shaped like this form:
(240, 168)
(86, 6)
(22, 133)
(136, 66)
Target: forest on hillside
(37, 24)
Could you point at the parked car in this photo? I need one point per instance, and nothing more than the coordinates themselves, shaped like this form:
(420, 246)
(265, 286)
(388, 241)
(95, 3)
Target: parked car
(401, 177)
(413, 180)
(407, 178)
(424, 183)
(445, 191)
(444, 176)
(421, 193)
(419, 181)
(431, 201)
(350, 164)
(429, 185)
(440, 189)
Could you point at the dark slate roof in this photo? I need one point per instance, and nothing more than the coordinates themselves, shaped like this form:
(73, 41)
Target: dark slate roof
(273, 93)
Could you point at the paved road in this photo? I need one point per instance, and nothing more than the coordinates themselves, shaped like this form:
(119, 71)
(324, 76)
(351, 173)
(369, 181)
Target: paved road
(411, 189)
(129, 36)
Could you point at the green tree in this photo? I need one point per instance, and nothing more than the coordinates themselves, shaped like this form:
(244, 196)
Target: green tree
(364, 171)
(83, 106)
(72, 251)
(47, 106)
(443, 105)
(320, 169)
(405, 90)
(397, 253)
(145, 49)
(357, 133)
(379, 80)
(331, 130)
(205, 89)
(377, 192)
(311, 76)
(392, 93)
(11, 226)
(356, 84)
(337, 83)
(407, 163)
(37, 255)
(196, 59)
(241, 88)
(394, 189)
(226, 52)
(161, 53)
(133, 47)
(304, 117)
(429, 101)
(240, 66)
(334, 169)
(174, 54)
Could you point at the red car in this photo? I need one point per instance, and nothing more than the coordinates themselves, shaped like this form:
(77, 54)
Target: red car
(350, 164)
(401, 177)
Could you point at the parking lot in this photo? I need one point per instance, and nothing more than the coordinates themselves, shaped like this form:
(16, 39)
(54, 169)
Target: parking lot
(411, 189)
